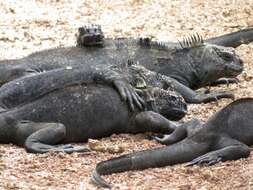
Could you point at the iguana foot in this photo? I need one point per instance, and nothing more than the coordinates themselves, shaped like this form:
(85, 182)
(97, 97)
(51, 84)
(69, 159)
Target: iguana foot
(213, 96)
(209, 159)
(90, 36)
(129, 94)
(177, 135)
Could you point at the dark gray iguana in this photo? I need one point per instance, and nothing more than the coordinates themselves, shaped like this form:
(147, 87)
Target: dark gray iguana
(93, 36)
(190, 67)
(225, 136)
(81, 111)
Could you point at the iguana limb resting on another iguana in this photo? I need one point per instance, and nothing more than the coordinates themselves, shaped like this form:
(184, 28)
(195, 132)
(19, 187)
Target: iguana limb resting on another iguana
(192, 67)
(225, 136)
(82, 111)
(123, 77)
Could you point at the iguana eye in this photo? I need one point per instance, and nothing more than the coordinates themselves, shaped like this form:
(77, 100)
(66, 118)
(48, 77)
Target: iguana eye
(226, 56)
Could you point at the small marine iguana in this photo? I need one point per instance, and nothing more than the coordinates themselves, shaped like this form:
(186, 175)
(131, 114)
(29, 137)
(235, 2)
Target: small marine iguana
(193, 66)
(26, 89)
(225, 136)
(82, 111)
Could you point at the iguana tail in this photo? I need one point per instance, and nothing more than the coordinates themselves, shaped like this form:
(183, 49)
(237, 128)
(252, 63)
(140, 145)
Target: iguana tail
(181, 152)
(233, 39)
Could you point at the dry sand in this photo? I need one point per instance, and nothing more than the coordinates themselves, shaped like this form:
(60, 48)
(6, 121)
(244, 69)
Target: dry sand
(27, 26)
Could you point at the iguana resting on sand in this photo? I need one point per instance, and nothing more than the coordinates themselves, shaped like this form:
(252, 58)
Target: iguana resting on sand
(193, 66)
(225, 136)
(81, 111)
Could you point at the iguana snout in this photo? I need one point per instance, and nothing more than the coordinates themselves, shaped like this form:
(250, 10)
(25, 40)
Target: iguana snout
(234, 68)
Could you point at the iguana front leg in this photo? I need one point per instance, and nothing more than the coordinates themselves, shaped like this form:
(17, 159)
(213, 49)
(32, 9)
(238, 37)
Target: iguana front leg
(122, 85)
(154, 122)
(191, 96)
(189, 128)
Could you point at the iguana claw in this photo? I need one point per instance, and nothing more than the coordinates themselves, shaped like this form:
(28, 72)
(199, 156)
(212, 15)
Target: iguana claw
(209, 159)
(128, 93)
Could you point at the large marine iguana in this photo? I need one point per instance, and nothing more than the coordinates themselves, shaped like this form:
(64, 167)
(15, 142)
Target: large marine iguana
(81, 111)
(192, 66)
(225, 136)
(94, 36)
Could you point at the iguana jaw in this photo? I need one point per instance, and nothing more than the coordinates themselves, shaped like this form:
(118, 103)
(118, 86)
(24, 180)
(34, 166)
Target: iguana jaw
(213, 62)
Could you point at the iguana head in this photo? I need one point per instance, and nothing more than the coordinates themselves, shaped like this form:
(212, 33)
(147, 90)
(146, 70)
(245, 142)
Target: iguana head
(166, 102)
(90, 36)
(212, 62)
(195, 63)
(208, 62)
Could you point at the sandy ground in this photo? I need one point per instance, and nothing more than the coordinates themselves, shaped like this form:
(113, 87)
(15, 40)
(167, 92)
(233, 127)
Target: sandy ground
(27, 26)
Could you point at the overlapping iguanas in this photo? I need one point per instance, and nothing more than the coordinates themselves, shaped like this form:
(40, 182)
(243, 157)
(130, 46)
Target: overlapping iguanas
(125, 78)
(48, 110)
(193, 65)
(225, 136)
(85, 93)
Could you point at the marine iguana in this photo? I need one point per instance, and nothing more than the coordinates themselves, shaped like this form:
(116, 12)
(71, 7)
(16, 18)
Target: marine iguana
(93, 35)
(124, 77)
(193, 66)
(29, 88)
(81, 111)
(225, 136)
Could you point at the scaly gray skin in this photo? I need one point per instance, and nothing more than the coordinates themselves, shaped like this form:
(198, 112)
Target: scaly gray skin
(225, 136)
(192, 68)
(126, 78)
(122, 77)
(32, 87)
(93, 36)
(81, 111)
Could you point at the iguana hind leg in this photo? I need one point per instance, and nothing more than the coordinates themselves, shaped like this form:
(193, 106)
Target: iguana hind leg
(46, 138)
(227, 149)
(193, 97)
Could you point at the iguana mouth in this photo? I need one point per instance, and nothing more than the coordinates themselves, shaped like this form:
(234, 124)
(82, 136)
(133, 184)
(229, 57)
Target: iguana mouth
(234, 69)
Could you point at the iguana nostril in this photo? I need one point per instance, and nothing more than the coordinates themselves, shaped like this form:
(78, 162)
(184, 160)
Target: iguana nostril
(240, 61)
